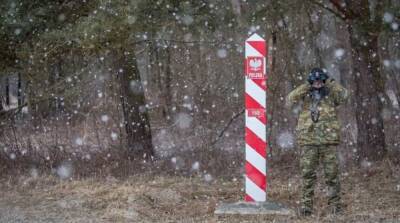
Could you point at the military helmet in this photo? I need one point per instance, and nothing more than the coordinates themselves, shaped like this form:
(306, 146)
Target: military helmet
(317, 74)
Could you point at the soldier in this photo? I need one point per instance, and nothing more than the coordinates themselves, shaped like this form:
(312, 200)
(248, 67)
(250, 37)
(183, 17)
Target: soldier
(317, 134)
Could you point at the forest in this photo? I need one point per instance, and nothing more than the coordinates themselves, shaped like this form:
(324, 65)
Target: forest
(134, 110)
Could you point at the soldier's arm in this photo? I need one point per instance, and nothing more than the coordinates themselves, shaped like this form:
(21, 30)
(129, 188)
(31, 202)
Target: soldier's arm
(297, 94)
(339, 93)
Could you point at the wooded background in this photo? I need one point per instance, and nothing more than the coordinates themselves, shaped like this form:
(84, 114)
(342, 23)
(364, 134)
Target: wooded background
(161, 79)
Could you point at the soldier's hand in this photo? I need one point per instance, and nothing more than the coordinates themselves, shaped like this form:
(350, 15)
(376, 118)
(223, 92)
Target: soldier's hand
(297, 94)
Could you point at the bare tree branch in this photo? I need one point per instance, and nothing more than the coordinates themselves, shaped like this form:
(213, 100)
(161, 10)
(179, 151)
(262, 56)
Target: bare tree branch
(324, 6)
(339, 7)
(234, 117)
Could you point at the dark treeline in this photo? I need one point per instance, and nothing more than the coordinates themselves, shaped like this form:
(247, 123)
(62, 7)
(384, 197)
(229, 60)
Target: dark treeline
(160, 78)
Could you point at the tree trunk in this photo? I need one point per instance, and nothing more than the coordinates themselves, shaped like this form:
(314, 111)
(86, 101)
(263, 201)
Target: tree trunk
(369, 91)
(8, 91)
(162, 62)
(168, 82)
(137, 124)
(54, 74)
(20, 93)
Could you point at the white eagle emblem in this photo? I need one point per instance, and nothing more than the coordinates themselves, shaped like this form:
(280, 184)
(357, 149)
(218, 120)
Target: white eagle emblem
(255, 64)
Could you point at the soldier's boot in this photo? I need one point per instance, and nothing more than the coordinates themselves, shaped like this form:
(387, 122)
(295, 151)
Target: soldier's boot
(334, 203)
(305, 211)
(306, 208)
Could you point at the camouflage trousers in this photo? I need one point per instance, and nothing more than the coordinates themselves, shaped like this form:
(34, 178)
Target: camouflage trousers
(309, 161)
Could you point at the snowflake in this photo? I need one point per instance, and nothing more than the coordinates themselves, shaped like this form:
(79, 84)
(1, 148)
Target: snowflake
(104, 118)
(222, 53)
(388, 17)
(208, 177)
(79, 141)
(196, 166)
(64, 171)
(339, 53)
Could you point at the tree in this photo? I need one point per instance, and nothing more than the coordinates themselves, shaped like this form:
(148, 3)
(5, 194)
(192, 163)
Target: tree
(364, 24)
(136, 118)
(39, 41)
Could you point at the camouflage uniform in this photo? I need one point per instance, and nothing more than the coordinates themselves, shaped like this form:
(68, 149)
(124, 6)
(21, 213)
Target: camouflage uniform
(318, 140)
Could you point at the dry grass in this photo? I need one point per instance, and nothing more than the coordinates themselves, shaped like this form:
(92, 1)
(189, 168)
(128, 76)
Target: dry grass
(370, 196)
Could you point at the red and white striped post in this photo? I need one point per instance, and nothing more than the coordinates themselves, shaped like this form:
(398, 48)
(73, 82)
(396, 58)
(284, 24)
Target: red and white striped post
(256, 119)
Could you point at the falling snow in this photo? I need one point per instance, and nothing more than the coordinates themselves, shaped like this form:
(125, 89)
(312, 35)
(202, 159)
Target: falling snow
(183, 120)
(187, 20)
(114, 136)
(79, 141)
(222, 53)
(139, 106)
(13, 156)
(195, 166)
(394, 26)
(104, 118)
(339, 53)
(208, 177)
(64, 171)
(285, 140)
(388, 17)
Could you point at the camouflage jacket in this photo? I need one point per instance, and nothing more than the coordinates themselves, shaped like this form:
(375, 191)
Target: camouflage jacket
(327, 129)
